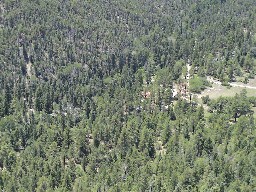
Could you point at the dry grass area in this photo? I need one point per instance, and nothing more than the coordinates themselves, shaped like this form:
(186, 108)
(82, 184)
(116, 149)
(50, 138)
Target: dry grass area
(252, 82)
(218, 90)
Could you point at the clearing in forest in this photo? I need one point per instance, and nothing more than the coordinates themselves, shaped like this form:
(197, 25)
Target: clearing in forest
(218, 89)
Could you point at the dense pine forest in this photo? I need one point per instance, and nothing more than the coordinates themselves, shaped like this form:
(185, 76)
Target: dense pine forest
(104, 95)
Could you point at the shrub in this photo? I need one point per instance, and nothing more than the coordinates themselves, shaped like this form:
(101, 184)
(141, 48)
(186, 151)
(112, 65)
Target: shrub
(197, 84)
(205, 99)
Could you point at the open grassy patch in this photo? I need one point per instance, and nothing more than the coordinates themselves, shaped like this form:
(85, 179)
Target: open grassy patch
(219, 90)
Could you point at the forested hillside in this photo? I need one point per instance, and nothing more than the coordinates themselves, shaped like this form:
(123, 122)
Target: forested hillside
(100, 95)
